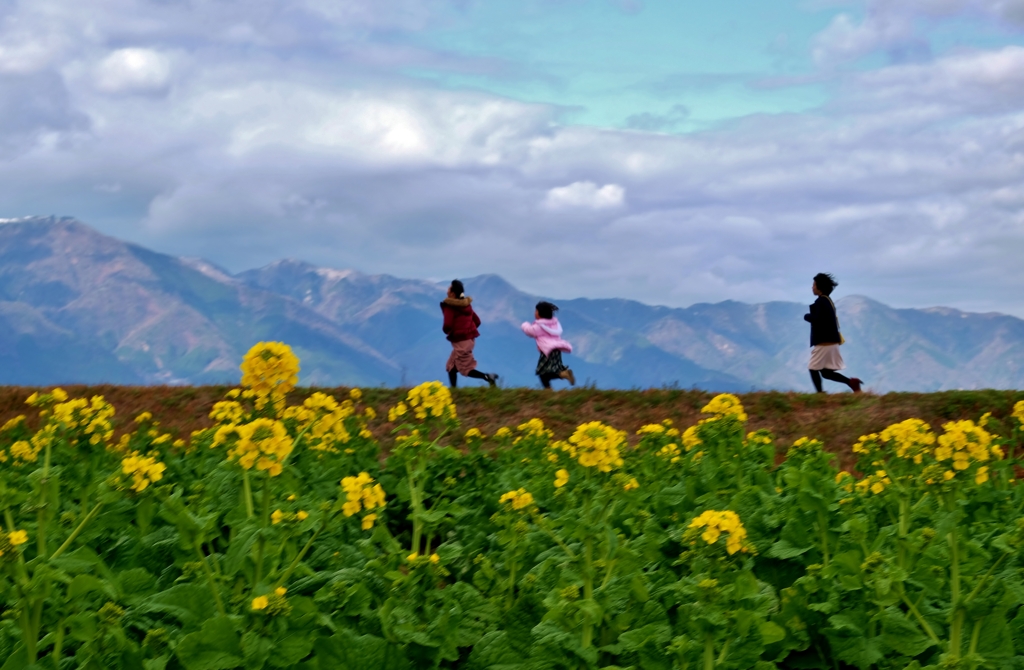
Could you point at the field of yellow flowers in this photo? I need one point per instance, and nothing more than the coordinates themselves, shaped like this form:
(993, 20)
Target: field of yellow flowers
(283, 537)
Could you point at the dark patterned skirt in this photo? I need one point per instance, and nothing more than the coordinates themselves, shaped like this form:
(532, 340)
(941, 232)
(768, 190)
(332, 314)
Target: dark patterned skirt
(551, 365)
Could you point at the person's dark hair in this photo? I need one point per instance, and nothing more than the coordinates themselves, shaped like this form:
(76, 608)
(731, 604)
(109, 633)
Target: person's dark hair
(546, 310)
(458, 289)
(825, 282)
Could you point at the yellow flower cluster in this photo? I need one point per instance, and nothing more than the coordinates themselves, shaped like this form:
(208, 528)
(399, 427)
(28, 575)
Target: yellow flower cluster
(670, 452)
(532, 428)
(270, 369)
(322, 419)
(1018, 411)
(362, 492)
(227, 412)
(144, 470)
(76, 419)
(474, 435)
(45, 399)
(663, 428)
(430, 399)
(502, 433)
(278, 516)
(715, 523)
(17, 537)
(561, 478)
(964, 442)
(631, 484)
(519, 499)
(691, 437)
(263, 442)
(912, 439)
(875, 483)
(805, 445)
(759, 438)
(26, 452)
(725, 406)
(595, 445)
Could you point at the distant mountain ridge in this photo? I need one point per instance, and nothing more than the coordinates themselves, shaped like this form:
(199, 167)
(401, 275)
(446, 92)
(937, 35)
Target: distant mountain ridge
(78, 306)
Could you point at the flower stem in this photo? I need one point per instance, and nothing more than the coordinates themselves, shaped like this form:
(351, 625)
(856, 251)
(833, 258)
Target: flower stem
(588, 590)
(77, 531)
(209, 578)
(302, 554)
(247, 494)
(709, 651)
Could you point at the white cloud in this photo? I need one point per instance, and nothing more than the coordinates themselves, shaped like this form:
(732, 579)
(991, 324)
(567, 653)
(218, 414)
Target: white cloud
(133, 70)
(290, 129)
(585, 194)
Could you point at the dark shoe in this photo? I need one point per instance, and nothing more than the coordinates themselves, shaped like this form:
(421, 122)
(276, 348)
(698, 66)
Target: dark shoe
(491, 378)
(855, 384)
(569, 376)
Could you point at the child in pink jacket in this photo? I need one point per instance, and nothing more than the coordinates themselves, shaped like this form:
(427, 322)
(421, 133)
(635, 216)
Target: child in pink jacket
(548, 333)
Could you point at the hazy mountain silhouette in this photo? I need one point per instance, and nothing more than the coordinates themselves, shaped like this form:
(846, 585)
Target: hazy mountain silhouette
(78, 306)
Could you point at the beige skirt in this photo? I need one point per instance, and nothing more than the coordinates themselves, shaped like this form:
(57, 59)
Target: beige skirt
(826, 357)
(461, 358)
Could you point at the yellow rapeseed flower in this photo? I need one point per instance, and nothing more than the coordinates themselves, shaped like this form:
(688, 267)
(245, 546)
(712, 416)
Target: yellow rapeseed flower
(561, 478)
(277, 517)
(263, 443)
(280, 591)
(690, 439)
(595, 445)
(260, 603)
(911, 439)
(368, 521)
(269, 370)
(435, 559)
(1018, 411)
(631, 484)
(430, 399)
(17, 537)
(716, 523)
(361, 492)
(725, 405)
(144, 470)
(519, 499)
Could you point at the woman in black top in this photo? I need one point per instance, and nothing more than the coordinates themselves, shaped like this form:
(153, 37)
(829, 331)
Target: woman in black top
(825, 336)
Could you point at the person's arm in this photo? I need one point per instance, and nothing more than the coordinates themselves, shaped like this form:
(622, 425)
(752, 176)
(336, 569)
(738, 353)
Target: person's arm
(447, 327)
(531, 329)
(476, 319)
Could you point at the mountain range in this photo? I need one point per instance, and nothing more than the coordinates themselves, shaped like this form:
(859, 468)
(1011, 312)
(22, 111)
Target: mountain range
(77, 306)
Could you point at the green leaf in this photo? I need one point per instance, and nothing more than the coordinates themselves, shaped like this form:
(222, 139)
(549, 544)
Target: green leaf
(346, 651)
(215, 647)
(83, 584)
(771, 632)
(189, 603)
(903, 635)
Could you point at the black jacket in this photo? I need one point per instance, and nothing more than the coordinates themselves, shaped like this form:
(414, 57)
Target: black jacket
(824, 323)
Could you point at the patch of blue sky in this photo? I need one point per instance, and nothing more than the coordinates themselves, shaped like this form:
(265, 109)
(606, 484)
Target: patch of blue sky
(619, 62)
(666, 65)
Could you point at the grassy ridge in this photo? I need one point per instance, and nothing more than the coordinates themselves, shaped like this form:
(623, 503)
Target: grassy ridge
(835, 419)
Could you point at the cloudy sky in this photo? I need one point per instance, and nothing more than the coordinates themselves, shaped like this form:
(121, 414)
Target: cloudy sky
(672, 152)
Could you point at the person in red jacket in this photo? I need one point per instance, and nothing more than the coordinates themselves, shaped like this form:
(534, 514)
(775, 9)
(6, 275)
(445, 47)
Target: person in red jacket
(460, 322)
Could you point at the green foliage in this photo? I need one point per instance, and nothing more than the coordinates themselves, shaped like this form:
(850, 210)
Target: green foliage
(283, 537)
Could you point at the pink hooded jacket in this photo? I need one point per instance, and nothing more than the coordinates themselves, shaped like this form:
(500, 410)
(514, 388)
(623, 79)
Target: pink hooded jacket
(548, 333)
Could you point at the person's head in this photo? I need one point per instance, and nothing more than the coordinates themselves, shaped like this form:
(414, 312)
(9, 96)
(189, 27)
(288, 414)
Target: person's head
(824, 283)
(545, 310)
(457, 290)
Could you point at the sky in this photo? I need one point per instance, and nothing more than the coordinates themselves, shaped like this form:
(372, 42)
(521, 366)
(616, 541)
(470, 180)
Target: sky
(667, 151)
